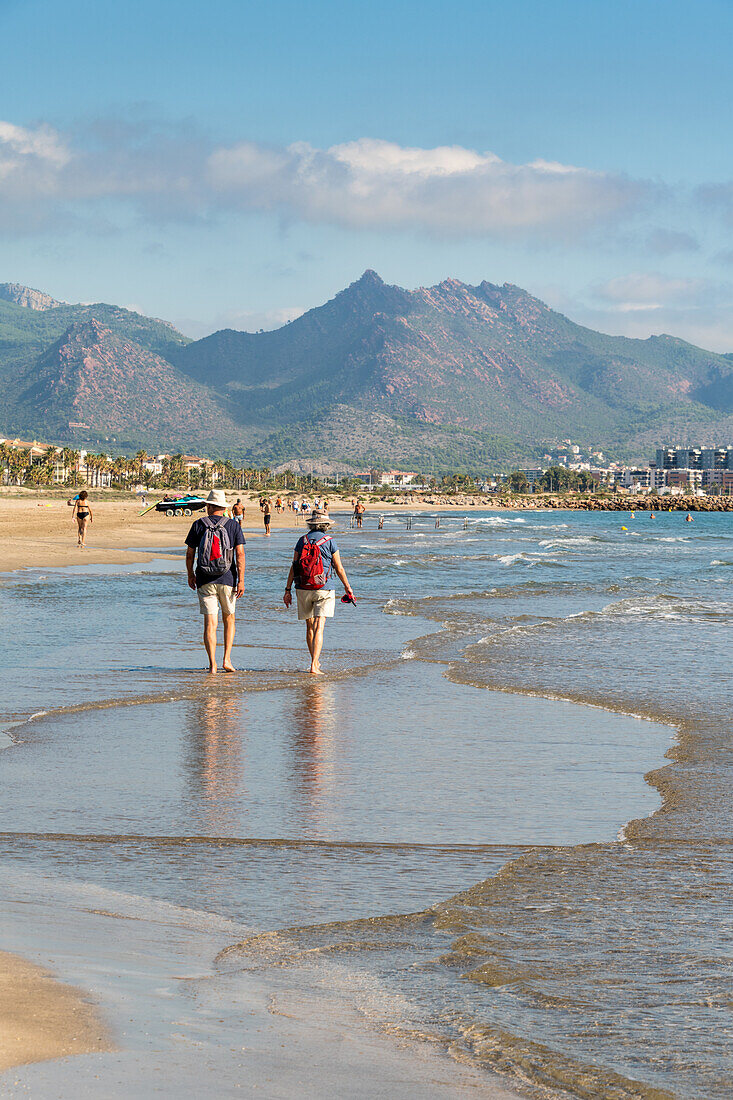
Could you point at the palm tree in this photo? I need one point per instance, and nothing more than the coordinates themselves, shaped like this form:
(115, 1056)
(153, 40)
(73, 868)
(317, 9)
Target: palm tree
(5, 455)
(141, 458)
(70, 459)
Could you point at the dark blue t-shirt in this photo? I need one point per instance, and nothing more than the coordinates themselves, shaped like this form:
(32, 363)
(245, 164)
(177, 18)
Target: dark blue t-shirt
(328, 549)
(195, 537)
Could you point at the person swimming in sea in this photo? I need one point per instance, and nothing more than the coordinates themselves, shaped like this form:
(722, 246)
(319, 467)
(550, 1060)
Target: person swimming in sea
(82, 516)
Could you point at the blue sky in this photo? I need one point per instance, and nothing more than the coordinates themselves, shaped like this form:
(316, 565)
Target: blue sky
(234, 164)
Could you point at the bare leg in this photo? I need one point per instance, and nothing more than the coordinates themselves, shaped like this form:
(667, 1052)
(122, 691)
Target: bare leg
(229, 627)
(210, 622)
(317, 644)
(309, 629)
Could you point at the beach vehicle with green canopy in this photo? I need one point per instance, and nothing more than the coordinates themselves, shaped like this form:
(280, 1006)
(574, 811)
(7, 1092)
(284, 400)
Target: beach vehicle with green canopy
(179, 506)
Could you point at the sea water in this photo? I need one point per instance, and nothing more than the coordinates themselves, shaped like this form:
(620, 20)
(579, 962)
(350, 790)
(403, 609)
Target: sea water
(452, 828)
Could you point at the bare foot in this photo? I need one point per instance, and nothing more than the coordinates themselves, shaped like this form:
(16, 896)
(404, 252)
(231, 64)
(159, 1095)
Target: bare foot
(213, 670)
(316, 670)
(228, 666)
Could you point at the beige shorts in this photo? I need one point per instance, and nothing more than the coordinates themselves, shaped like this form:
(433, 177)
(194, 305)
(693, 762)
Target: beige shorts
(213, 595)
(317, 604)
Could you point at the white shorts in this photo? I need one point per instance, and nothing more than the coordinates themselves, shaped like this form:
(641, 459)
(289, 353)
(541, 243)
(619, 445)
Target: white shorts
(213, 595)
(319, 603)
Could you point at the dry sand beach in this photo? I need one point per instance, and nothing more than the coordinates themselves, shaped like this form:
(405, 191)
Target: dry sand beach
(42, 1019)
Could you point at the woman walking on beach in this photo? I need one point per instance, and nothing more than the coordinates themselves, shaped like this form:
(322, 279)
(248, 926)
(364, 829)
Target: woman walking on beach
(315, 559)
(82, 514)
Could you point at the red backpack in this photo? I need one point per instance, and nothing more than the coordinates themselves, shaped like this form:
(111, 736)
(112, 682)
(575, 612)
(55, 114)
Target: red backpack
(309, 567)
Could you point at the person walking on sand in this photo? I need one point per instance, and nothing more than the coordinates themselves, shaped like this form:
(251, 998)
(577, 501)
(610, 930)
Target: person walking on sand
(315, 559)
(82, 515)
(238, 512)
(219, 574)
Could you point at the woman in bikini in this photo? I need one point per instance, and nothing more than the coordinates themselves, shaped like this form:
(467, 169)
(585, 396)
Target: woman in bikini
(82, 513)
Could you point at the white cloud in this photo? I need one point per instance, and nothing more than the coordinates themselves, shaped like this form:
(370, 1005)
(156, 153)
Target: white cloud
(20, 147)
(649, 291)
(240, 319)
(254, 320)
(447, 190)
(645, 304)
(169, 173)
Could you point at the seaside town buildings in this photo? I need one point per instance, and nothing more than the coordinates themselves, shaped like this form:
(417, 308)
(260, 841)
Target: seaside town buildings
(61, 465)
(675, 471)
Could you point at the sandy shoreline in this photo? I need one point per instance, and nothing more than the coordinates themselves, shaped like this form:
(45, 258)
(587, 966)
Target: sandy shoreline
(41, 1018)
(37, 530)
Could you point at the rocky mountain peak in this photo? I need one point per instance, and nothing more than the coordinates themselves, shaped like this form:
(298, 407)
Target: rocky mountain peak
(88, 333)
(28, 297)
(370, 294)
(370, 278)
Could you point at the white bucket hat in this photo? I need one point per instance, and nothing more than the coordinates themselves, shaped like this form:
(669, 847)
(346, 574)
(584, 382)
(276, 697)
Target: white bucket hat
(218, 498)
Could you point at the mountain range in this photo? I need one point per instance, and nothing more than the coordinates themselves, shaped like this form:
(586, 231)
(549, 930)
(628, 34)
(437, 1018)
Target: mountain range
(445, 376)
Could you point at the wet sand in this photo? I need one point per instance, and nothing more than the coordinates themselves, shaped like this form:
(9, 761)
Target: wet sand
(282, 1040)
(42, 1019)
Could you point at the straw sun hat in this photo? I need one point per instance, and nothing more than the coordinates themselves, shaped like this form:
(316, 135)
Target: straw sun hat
(318, 519)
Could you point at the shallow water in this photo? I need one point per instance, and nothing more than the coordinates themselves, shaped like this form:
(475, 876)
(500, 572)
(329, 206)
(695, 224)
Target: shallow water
(539, 941)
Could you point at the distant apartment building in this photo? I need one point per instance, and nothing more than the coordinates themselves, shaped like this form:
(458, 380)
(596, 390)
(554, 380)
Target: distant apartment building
(155, 464)
(695, 458)
(689, 480)
(720, 480)
(393, 478)
(642, 480)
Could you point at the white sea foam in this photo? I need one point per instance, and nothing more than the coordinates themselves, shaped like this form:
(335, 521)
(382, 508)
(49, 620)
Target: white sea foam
(497, 521)
(509, 559)
(572, 540)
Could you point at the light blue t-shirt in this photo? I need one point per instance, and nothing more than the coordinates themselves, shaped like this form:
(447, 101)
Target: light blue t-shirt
(328, 549)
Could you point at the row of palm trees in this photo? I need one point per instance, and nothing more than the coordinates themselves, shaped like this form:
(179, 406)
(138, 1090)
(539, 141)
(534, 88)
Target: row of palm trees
(20, 466)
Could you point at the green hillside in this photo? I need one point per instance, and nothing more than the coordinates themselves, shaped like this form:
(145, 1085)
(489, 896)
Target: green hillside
(449, 376)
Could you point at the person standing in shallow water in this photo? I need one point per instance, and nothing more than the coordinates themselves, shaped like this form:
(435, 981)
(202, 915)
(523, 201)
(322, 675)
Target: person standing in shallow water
(266, 507)
(316, 604)
(222, 589)
(82, 514)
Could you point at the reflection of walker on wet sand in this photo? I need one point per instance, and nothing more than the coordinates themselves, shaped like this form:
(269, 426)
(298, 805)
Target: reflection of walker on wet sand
(216, 772)
(317, 733)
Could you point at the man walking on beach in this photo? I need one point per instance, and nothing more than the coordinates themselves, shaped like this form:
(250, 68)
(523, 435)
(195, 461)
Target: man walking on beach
(315, 559)
(238, 512)
(219, 574)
